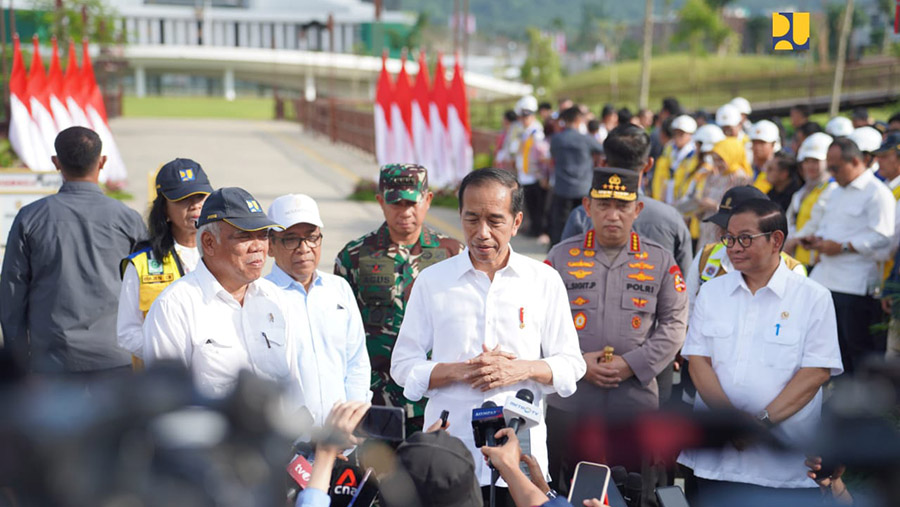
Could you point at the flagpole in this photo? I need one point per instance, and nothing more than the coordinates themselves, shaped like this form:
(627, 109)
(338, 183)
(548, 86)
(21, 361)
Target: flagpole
(3, 64)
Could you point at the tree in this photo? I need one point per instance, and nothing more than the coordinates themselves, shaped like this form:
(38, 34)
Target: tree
(699, 27)
(68, 22)
(759, 33)
(541, 68)
(886, 8)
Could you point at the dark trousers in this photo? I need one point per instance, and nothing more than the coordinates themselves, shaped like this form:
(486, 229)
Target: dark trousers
(855, 317)
(535, 200)
(502, 498)
(739, 494)
(560, 207)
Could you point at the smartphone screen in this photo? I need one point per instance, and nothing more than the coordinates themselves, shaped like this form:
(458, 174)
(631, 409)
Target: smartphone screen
(615, 497)
(365, 492)
(383, 423)
(590, 481)
(671, 496)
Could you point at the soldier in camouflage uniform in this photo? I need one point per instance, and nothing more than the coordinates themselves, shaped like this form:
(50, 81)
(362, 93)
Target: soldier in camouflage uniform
(381, 268)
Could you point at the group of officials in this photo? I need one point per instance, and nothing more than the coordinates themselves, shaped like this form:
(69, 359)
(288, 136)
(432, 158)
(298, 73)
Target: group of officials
(409, 314)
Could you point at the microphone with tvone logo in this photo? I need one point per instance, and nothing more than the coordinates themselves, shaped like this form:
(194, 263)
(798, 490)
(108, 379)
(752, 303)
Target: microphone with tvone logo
(520, 412)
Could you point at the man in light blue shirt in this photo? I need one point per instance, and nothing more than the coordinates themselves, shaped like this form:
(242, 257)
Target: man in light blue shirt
(332, 359)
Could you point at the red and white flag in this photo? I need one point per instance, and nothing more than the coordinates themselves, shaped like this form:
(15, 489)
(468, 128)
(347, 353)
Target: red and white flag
(384, 93)
(440, 174)
(401, 119)
(421, 116)
(57, 99)
(24, 136)
(73, 90)
(458, 126)
(40, 107)
(95, 110)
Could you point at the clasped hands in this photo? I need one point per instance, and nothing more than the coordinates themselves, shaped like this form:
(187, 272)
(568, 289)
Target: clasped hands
(608, 374)
(494, 368)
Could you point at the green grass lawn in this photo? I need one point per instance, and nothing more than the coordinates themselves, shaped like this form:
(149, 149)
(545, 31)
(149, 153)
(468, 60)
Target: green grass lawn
(198, 107)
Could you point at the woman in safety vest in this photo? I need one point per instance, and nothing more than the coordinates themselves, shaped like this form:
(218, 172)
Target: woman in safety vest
(170, 253)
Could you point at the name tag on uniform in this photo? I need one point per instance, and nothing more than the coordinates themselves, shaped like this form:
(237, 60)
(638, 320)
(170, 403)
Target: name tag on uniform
(165, 277)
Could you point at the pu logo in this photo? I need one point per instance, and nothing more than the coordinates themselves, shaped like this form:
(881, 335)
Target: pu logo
(346, 484)
(790, 31)
(254, 206)
(186, 174)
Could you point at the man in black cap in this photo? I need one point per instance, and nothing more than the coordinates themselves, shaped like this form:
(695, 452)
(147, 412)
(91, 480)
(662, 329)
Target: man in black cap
(223, 317)
(627, 298)
(59, 287)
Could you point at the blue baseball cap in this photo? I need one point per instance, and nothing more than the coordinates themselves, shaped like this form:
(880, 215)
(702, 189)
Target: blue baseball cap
(235, 206)
(182, 178)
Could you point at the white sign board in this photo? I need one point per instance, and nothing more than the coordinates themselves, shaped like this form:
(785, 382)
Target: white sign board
(19, 188)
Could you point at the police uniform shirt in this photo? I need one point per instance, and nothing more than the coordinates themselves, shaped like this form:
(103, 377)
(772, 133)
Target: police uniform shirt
(130, 321)
(635, 302)
(757, 343)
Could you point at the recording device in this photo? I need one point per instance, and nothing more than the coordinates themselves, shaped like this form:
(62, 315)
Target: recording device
(671, 496)
(619, 474)
(614, 496)
(351, 486)
(633, 489)
(366, 492)
(590, 481)
(520, 412)
(300, 470)
(444, 415)
(486, 421)
(383, 423)
(826, 469)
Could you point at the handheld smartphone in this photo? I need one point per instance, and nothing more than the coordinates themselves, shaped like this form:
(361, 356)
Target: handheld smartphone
(383, 423)
(671, 496)
(444, 415)
(614, 496)
(366, 492)
(590, 481)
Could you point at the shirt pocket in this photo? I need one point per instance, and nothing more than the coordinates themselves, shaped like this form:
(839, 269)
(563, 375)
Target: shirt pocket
(782, 346)
(272, 349)
(720, 339)
(638, 312)
(217, 359)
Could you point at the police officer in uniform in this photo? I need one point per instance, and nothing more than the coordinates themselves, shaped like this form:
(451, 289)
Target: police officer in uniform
(381, 268)
(626, 293)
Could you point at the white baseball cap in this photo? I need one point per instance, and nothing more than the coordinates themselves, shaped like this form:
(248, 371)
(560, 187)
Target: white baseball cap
(815, 146)
(527, 103)
(742, 105)
(708, 135)
(728, 116)
(839, 126)
(685, 123)
(292, 209)
(867, 139)
(766, 131)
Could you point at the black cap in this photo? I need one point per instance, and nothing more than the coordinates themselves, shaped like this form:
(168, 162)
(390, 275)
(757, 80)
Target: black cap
(442, 469)
(891, 142)
(237, 207)
(182, 178)
(860, 113)
(732, 198)
(615, 183)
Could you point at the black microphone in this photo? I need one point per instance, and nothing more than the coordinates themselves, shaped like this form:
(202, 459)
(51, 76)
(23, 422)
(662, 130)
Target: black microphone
(486, 421)
(633, 489)
(619, 474)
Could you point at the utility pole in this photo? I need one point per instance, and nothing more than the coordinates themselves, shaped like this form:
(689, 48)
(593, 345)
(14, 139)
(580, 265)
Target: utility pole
(465, 34)
(841, 58)
(644, 99)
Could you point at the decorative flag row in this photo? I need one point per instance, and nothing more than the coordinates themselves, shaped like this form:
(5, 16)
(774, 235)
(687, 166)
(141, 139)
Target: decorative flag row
(424, 123)
(44, 103)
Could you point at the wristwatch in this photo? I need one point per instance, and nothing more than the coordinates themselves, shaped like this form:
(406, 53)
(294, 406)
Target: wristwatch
(763, 417)
(845, 247)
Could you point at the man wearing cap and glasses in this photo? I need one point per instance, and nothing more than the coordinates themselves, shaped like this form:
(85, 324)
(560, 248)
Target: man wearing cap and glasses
(59, 286)
(626, 293)
(169, 253)
(336, 366)
(222, 318)
(381, 268)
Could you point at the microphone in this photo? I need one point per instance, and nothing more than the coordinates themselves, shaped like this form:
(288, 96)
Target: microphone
(486, 421)
(520, 412)
(633, 489)
(619, 474)
(300, 468)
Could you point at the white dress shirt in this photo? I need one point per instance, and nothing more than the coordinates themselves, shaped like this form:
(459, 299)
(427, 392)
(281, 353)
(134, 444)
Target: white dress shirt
(861, 213)
(334, 366)
(130, 320)
(199, 323)
(757, 343)
(454, 309)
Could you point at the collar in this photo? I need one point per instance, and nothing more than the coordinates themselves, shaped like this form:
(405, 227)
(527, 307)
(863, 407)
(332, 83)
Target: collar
(894, 183)
(464, 263)
(862, 180)
(777, 284)
(427, 237)
(80, 186)
(634, 243)
(211, 287)
(286, 281)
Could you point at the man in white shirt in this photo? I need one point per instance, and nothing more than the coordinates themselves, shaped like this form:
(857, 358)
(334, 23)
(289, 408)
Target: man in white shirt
(334, 364)
(222, 318)
(856, 227)
(762, 340)
(492, 320)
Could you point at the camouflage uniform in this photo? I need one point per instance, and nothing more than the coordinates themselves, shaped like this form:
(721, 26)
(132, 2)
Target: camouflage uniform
(381, 274)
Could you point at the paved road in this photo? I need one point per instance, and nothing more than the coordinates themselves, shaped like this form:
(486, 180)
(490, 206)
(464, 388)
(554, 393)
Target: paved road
(269, 159)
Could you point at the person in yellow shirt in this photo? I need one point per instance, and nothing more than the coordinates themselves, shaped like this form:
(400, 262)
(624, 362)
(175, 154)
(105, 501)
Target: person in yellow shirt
(766, 142)
(818, 185)
(691, 175)
(681, 147)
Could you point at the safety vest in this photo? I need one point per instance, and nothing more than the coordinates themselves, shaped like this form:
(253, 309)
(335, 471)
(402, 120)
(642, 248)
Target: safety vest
(889, 264)
(154, 276)
(662, 173)
(761, 183)
(803, 215)
(711, 262)
(682, 175)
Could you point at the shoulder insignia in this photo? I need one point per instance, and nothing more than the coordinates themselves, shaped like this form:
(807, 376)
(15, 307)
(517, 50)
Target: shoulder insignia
(581, 273)
(680, 286)
(641, 277)
(635, 242)
(580, 264)
(547, 262)
(589, 239)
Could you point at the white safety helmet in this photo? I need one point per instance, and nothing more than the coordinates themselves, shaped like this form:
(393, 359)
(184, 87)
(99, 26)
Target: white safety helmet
(839, 126)
(742, 105)
(526, 105)
(728, 116)
(766, 131)
(815, 146)
(684, 123)
(867, 139)
(708, 135)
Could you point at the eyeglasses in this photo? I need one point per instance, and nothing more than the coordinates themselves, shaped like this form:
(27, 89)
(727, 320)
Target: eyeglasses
(745, 240)
(293, 242)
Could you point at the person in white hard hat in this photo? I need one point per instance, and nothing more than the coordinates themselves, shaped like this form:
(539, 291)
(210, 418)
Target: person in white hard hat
(839, 126)
(679, 149)
(532, 156)
(765, 142)
(730, 119)
(868, 139)
(743, 106)
(705, 138)
(332, 357)
(816, 188)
